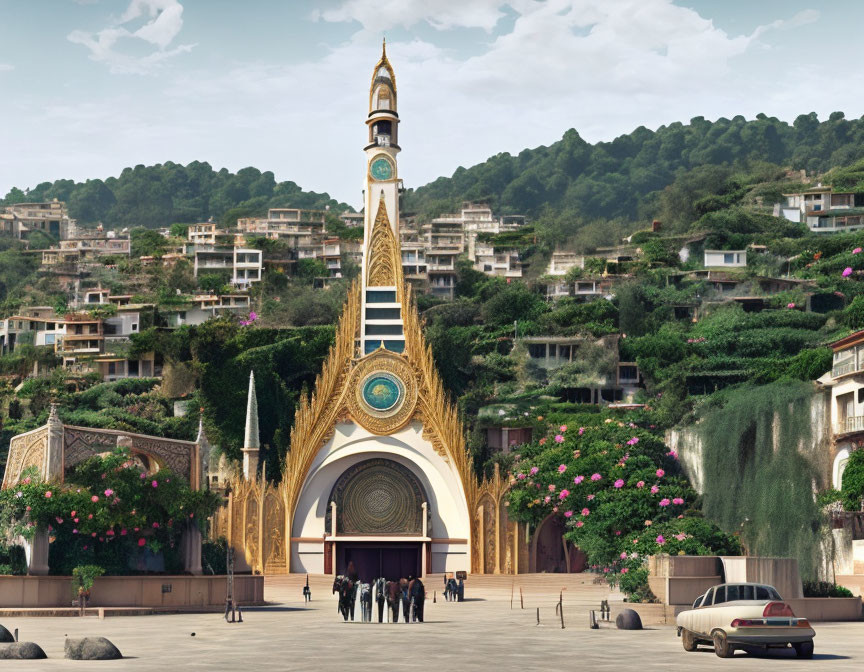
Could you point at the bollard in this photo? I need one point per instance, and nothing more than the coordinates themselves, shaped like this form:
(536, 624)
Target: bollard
(538, 615)
(559, 609)
(434, 597)
(512, 587)
(239, 615)
(521, 600)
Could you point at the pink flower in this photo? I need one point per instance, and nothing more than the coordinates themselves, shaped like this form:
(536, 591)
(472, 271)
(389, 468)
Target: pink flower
(680, 536)
(563, 494)
(534, 470)
(619, 483)
(596, 477)
(654, 489)
(562, 428)
(581, 431)
(562, 468)
(579, 523)
(586, 512)
(790, 305)
(141, 541)
(578, 479)
(123, 532)
(624, 570)
(29, 508)
(109, 492)
(559, 438)
(672, 454)
(135, 529)
(640, 484)
(521, 477)
(605, 570)
(617, 533)
(90, 517)
(857, 250)
(109, 533)
(551, 487)
(660, 540)
(143, 475)
(677, 500)
(590, 497)
(681, 516)
(567, 514)
(155, 484)
(847, 272)
(94, 498)
(542, 441)
(633, 441)
(623, 555)
(647, 523)
(664, 502)
(93, 535)
(73, 514)
(74, 531)
(660, 473)
(155, 525)
(76, 520)
(547, 499)
(59, 520)
(48, 494)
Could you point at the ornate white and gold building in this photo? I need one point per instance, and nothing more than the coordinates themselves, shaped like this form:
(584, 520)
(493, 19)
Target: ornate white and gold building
(377, 472)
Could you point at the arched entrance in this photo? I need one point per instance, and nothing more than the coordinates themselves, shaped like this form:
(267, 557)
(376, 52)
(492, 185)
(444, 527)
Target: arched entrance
(552, 553)
(380, 522)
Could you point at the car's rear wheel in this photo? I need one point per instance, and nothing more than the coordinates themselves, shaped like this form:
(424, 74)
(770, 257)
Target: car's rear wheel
(804, 649)
(688, 640)
(721, 645)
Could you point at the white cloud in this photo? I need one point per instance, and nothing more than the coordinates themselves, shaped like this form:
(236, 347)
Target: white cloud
(5, 67)
(380, 15)
(163, 21)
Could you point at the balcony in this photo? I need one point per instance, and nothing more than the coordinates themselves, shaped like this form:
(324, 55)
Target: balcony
(850, 424)
(843, 368)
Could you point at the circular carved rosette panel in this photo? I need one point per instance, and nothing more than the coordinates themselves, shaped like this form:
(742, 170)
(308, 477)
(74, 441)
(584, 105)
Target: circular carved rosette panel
(378, 496)
(383, 393)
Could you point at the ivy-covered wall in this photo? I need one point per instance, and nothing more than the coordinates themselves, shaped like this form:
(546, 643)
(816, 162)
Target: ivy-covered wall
(759, 455)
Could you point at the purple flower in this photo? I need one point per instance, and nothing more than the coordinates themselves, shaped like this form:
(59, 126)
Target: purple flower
(563, 494)
(562, 468)
(581, 431)
(847, 272)
(633, 441)
(520, 476)
(857, 250)
(534, 470)
(660, 540)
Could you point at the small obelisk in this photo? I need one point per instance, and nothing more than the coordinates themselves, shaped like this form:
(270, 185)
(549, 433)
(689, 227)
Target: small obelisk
(251, 441)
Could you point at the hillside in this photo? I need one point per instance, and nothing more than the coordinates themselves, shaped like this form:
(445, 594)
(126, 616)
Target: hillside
(625, 178)
(158, 196)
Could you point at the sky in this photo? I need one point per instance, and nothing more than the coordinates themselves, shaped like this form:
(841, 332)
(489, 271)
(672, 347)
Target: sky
(89, 87)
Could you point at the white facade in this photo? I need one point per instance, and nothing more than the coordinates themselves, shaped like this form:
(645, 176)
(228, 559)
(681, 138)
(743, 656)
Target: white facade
(449, 529)
(725, 258)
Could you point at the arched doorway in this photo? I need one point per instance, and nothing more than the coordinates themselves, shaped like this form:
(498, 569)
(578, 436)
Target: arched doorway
(552, 553)
(379, 512)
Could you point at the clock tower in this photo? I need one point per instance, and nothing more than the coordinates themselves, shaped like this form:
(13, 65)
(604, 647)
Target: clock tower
(381, 300)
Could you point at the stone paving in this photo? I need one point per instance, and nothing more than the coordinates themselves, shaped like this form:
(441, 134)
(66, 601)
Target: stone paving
(482, 633)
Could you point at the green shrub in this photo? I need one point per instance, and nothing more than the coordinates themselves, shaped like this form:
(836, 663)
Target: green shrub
(825, 589)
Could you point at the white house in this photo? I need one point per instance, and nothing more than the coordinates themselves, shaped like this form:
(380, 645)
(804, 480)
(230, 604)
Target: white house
(725, 258)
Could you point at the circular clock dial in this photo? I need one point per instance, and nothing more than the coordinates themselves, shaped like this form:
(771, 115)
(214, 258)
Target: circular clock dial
(381, 169)
(382, 391)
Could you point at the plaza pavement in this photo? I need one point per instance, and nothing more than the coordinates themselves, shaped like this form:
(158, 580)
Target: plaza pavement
(482, 633)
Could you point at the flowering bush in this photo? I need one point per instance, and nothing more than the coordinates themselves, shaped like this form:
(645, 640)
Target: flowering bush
(106, 510)
(622, 484)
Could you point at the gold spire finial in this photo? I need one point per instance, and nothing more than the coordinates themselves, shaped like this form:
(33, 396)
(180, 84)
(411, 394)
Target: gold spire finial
(384, 47)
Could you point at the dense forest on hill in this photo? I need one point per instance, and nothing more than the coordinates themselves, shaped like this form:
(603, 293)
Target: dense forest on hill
(160, 195)
(626, 177)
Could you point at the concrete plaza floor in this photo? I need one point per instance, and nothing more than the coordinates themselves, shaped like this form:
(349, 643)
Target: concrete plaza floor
(482, 633)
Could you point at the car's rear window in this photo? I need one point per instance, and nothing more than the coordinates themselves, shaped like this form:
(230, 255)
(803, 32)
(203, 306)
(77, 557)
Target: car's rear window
(720, 594)
(767, 593)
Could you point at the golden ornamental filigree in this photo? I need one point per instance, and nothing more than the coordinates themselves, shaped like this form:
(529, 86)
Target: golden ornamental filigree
(385, 264)
(394, 419)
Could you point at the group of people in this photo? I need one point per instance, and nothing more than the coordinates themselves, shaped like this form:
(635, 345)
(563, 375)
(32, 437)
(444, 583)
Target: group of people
(407, 595)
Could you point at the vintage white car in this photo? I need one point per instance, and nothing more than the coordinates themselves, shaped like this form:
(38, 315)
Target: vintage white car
(744, 616)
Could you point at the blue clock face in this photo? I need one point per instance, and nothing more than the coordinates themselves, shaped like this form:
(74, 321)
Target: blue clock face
(381, 169)
(382, 391)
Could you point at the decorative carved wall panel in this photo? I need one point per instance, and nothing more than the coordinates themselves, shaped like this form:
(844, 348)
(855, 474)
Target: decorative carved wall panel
(378, 496)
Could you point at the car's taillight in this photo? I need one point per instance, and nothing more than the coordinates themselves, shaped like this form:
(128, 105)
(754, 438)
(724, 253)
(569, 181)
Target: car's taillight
(778, 609)
(744, 622)
(802, 623)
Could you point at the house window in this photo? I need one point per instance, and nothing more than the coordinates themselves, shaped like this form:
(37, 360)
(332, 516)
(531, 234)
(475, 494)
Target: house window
(728, 258)
(537, 350)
